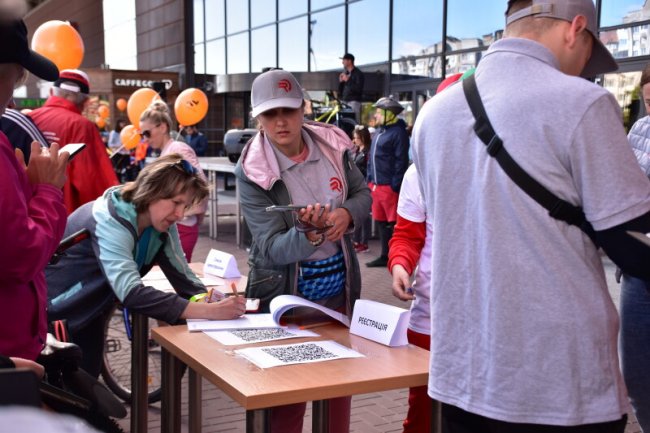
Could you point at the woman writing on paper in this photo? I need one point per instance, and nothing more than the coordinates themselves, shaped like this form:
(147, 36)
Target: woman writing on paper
(132, 227)
(308, 252)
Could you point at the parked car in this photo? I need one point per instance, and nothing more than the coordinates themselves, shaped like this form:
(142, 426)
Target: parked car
(234, 141)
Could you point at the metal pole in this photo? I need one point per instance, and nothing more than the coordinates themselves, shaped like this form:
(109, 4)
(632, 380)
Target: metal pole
(258, 421)
(320, 410)
(170, 409)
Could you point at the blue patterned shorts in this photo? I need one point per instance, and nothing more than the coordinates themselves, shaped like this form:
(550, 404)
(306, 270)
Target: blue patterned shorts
(322, 279)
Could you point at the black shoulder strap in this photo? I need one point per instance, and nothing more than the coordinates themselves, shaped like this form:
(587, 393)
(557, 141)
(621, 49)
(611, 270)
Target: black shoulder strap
(557, 208)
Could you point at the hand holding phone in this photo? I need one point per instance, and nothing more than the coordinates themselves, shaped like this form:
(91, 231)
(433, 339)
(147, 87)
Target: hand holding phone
(287, 208)
(72, 149)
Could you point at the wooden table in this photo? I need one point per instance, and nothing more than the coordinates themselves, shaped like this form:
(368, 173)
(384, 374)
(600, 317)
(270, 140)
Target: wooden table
(139, 359)
(382, 368)
(214, 166)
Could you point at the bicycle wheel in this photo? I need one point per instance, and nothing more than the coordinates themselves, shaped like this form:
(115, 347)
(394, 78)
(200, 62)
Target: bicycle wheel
(116, 369)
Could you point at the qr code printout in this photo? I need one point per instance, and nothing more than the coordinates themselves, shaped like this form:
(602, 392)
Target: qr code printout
(299, 353)
(250, 335)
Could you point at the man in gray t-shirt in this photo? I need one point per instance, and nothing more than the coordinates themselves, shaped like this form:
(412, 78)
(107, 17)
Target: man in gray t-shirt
(523, 328)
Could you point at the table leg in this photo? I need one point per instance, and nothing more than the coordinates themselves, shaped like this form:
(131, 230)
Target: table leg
(139, 372)
(320, 416)
(258, 421)
(195, 416)
(170, 419)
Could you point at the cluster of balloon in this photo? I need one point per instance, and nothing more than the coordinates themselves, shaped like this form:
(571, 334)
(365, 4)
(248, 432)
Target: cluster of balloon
(130, 137)
(191, 106)
(59, 42)
(138, 102)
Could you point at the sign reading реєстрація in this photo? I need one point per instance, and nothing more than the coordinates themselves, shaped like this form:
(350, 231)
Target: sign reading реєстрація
(379, 322)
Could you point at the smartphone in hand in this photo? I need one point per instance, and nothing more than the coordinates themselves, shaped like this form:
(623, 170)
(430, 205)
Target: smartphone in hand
(287, 208)
(72, 149)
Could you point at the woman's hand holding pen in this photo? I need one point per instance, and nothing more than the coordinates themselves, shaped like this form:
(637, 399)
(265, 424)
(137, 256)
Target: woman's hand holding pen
(231, 307)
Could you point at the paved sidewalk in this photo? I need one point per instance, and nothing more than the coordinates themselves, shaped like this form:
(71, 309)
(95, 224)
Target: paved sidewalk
(371, 413)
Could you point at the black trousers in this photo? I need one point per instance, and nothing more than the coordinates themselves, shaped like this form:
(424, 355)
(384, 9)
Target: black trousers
(455, 420)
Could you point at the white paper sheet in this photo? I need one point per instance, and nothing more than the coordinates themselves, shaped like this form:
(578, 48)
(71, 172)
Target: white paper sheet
(248, 336)
(280, 304)
(301, 353)
(247, 321)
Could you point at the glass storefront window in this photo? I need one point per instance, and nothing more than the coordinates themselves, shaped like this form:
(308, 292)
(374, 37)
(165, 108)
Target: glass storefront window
(625, 88)
(238, 54)
(120, 48)
(368, 31)
(237, 14)
(293, 45)
(628, 41)
(327, 39)
(410, 17)
(320, 4)
(471, 23)
(291, 8)
(463, 62)
(215, 24)
(216, 57)
(263, 48)
(617, 12)
(412, 67)
(198, 21)
(199, 59)
(262, 12)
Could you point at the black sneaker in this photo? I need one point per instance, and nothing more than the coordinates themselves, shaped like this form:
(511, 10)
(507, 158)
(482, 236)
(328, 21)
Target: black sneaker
(379, 262)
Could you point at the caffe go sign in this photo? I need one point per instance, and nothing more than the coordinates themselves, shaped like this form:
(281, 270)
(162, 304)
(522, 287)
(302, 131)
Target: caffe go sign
(139, 83)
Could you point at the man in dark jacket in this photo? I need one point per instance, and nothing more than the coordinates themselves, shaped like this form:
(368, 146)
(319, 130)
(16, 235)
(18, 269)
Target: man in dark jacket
(387, 164)
(196, 140)
(351, 84)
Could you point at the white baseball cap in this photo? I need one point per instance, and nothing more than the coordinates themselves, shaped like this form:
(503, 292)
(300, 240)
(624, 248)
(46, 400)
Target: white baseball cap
(274, 89)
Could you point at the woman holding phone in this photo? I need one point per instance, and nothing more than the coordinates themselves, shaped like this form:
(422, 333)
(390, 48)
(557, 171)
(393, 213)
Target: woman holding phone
(306, 252)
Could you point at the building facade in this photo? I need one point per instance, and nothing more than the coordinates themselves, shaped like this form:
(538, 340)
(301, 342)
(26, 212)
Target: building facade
(404, 47)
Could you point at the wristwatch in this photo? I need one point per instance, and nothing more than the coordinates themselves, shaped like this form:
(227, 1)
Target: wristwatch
(318, 242)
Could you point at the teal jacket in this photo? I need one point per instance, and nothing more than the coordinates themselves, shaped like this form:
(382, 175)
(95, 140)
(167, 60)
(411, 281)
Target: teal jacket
(109, 266)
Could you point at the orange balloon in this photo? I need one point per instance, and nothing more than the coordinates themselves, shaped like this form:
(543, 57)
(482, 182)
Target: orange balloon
(121, 104)
(100, 122)
(191, 106)
(138, 102)
(130, 137)
(103, 111)
(59, 42)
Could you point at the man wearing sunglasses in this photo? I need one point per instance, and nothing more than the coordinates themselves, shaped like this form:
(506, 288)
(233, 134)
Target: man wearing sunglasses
(61, 121)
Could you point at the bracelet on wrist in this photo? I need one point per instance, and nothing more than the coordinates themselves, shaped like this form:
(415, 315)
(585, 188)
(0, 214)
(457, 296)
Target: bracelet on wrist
(318, 242)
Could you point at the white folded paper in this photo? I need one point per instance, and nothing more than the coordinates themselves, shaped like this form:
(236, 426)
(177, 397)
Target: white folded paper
(379, 322)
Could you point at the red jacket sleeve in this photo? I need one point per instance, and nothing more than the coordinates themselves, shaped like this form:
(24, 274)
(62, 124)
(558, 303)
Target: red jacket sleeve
(406, 244)
(91, 171)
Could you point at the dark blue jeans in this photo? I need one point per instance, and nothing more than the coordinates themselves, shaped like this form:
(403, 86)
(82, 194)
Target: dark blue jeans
(635, 345)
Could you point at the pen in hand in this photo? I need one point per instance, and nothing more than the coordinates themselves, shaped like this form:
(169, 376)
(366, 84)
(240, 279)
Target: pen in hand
(233, 287)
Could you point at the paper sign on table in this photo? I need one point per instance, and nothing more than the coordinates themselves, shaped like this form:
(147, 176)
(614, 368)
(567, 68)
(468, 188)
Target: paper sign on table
(379, 322)
(221, 264)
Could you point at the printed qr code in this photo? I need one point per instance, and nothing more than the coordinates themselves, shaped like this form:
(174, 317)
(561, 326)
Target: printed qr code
(261, 334)
(299, 353)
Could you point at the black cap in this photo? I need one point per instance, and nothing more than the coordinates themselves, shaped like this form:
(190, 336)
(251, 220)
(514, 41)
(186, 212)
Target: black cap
(15, 49)
(348, 56)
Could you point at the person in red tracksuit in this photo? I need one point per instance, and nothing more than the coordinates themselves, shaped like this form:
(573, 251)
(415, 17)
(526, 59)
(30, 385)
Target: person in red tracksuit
(60, 120)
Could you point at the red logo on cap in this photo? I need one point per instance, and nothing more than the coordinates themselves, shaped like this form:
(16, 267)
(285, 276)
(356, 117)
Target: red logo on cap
(284, 85)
